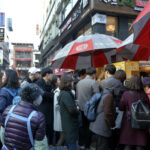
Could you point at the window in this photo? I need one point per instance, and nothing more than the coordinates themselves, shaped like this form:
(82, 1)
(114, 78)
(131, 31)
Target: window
(68, 8)
(37, 56)
(112, 26)
(87, 30)
(23, 63)
(23, 55)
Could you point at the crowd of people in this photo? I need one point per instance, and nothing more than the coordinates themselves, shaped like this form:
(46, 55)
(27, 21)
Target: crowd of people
(50, 112)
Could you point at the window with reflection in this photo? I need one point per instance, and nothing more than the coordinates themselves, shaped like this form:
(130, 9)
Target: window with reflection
(112, 26)
(68, 8)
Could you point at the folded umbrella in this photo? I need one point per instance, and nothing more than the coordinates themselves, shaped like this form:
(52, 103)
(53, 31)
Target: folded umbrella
(129, 51)
(141, 27)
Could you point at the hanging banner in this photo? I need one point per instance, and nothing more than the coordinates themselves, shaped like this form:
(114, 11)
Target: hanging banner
(2, 34)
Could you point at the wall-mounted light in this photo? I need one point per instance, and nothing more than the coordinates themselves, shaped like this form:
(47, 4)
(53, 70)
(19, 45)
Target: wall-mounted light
(110, 28)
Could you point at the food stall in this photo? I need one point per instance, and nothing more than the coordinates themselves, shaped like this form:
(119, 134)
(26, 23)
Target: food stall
(130, 67)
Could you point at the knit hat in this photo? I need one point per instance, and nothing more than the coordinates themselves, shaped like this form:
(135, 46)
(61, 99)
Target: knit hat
(146, 81)
(31, 92)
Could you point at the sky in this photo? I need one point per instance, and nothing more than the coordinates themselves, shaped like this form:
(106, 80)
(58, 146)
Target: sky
(25, 15)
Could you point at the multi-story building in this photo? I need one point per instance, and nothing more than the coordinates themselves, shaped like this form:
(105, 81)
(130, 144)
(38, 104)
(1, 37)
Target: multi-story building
(4, 40)
(22, 57)
(36, 58)
(66, 20)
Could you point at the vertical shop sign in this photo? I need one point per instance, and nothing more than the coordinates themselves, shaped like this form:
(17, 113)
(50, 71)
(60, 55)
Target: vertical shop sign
(2, 33)
(1, 56)
(2, 19)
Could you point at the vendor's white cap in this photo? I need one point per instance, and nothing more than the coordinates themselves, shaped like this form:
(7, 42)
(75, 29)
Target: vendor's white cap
(33, 70)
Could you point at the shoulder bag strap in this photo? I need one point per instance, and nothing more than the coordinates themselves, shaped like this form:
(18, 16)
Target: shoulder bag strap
(29, 127)
(9, 114)
(9, 91)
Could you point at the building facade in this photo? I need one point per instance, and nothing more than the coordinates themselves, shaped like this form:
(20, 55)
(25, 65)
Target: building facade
(36, 58)
(66, 20)
(22, 57)
(4, 40)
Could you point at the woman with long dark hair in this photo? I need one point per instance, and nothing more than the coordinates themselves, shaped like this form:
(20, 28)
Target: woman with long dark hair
(69, 112)
(9, 81)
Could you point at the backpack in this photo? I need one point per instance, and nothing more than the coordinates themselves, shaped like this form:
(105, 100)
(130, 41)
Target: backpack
(25, 119)
(15, 95)
(140, 113)
(91, 106)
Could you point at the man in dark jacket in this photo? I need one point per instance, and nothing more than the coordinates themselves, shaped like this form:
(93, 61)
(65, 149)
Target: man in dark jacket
(32, 78)
(46, 106)
(86, 88)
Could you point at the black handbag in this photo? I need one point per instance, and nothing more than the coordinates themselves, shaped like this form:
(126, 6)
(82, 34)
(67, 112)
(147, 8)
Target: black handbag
(140, 113)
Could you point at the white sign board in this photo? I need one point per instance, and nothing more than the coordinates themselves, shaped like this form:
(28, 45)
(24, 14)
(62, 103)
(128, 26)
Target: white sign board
(85, 3)
(99, 18)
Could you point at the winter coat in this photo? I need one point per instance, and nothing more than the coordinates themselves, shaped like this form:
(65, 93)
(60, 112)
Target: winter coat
(16, 134)
(115, 86)
(128, 135)
(47, 104)
(57, 117)
(5, 100)
(86, 88)
(26, 81)
(69, 116)
(105, 116)
(46, 107)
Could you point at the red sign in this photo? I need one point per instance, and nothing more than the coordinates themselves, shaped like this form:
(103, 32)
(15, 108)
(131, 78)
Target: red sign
(81, 47)
(140, 3)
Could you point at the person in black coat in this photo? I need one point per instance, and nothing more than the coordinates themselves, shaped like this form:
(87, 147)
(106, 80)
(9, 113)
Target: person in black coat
(46, 106)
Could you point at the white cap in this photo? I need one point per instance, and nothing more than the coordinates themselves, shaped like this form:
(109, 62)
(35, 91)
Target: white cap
(38, 70)
(33, 70)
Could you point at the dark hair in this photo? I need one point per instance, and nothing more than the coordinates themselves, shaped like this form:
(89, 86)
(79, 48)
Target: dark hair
(143, 74)
(46, 70)
(134, 83)
(120, 75)
(82, 72)
(90, 71)
(111, 69)
(54, 80)
(30, 92)
(65, 83)
(12, 80)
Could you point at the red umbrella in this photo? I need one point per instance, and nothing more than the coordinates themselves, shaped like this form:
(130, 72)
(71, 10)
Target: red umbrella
(86, 51)
(129, 51)
(141, 27)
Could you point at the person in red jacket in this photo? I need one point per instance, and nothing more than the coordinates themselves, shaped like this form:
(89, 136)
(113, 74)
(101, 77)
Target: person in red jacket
(132, 138)
(23, 126)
